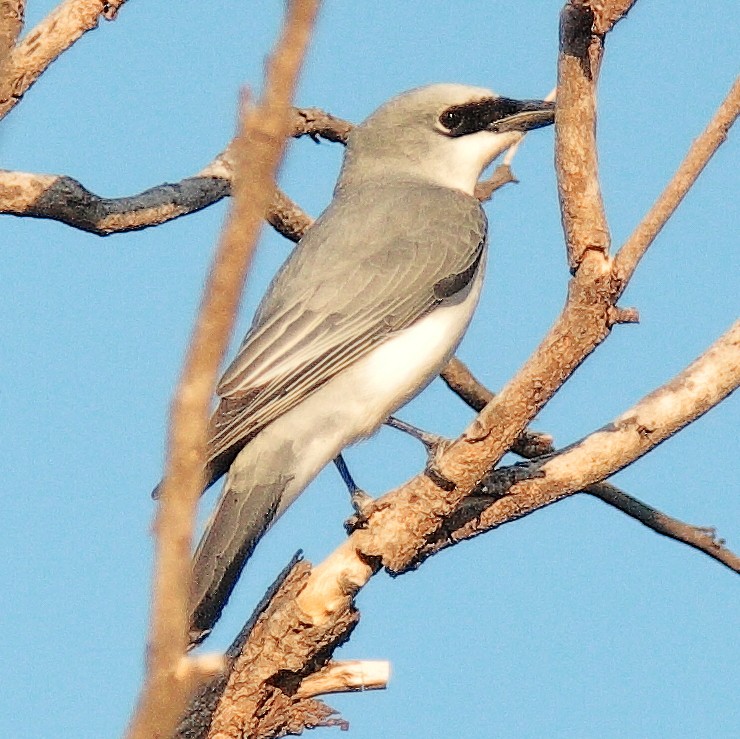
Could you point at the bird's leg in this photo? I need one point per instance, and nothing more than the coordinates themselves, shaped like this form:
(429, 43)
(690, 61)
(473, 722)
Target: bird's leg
(358, 497)
(435, 446)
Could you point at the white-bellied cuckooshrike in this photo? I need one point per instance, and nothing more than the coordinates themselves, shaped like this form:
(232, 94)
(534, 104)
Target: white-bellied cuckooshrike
(364, 314)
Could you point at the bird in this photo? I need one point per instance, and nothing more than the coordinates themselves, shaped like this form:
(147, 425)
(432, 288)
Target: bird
(363, 315)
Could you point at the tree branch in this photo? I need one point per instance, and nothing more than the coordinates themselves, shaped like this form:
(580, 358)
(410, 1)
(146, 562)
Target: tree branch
(258, 151)
(609, 12)
(533, 444)
(68, 22)
(348, 676)
(703, 538)
(516, 492)
(64, 199)
(699, 154)
(576, 164)
(12, 13)
(261, 696)
(315, 123)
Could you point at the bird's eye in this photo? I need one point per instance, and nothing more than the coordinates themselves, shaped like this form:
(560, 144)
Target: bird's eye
(451, 119)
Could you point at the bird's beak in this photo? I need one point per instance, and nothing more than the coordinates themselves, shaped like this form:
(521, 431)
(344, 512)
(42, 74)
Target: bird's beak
(521, 115)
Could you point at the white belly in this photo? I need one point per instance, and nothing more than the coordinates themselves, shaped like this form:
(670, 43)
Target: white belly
(405, 364)
(358, 400)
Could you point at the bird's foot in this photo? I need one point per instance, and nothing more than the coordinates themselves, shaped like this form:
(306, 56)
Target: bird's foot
(358, 497)
(366, 508)
(434, 444)
(433, 470)
(361, 501)
(429, 440)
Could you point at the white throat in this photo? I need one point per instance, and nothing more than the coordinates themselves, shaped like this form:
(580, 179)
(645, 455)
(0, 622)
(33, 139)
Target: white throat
(460, 164)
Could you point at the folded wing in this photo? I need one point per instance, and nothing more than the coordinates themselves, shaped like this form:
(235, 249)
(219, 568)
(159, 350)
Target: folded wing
(347, 287)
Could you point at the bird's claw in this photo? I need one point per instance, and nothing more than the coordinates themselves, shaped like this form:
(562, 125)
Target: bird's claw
(365, 508)
(432, 469)
(360, 500)
(434, 444)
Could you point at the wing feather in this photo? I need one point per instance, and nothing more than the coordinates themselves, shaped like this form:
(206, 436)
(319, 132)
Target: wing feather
(321, 315)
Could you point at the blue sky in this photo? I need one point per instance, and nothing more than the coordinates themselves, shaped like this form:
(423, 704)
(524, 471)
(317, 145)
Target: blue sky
(574, 622)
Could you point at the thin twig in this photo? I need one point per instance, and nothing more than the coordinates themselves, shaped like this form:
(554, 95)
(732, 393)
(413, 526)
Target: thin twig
(348, 676)
(502, 175)
(699, 154)
(259, 150)
(315, 122)
(703, 538)
(67, 23)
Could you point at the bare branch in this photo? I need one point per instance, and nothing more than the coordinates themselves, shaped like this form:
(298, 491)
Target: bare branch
(501, 176)
(608, 12)
(258, 152)
(11, 22)
(462, 382)
(411, 513)
(63, 199)
(346, 677)
(532, 444)
(48, 40)
(199, 714)
(581, 204)
(315, 122)
(280, 651)
(703, 538)
(287, 217)
(699, 154)
(701, 386)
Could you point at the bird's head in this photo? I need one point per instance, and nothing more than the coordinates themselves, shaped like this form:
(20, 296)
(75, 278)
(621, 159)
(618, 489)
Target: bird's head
(445, 134)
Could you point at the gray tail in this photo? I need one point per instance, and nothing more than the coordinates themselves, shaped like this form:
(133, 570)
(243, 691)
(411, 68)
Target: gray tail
(249, 503)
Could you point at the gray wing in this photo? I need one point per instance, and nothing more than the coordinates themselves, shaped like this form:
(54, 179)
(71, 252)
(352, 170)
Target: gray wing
(373, 264)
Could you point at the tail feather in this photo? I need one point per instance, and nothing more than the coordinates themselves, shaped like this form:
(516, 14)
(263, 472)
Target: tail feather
(248, 505)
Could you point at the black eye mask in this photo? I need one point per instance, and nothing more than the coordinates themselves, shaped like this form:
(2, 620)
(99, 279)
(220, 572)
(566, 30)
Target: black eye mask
(496, 114)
